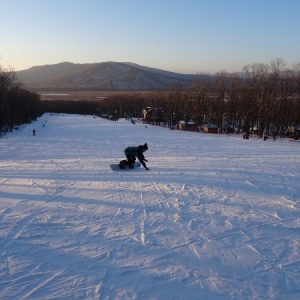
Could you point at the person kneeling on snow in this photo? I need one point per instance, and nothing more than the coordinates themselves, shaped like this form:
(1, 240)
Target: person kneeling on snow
(132, 153)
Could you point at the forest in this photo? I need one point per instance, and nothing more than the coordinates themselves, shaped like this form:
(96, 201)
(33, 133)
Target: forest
(262, 97)
(17, 105)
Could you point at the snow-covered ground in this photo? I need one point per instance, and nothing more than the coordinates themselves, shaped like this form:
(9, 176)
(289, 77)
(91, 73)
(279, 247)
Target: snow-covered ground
(216, 217)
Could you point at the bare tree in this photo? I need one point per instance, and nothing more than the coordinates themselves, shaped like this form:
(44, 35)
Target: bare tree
(219, 97)
(17, 105)
(173, 105)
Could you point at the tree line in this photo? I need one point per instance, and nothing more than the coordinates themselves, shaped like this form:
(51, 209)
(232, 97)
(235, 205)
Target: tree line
(262, 97)
(17, 105)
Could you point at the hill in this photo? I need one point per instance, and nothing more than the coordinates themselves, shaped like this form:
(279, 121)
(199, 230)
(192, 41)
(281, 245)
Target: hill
(216, 217)
(109, 76)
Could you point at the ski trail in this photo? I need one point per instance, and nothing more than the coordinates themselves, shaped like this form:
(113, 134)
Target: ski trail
(181, 196)
(144, 216)
(221, 223)
(277, 268)
(183, 221)
(42, 284)
(22, 222)
(99, 288)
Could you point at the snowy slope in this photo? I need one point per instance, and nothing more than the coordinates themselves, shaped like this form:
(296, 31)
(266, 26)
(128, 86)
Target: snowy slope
(216, 217)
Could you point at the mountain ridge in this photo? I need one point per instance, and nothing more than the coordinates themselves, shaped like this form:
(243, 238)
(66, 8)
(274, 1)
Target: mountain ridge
(101, 76)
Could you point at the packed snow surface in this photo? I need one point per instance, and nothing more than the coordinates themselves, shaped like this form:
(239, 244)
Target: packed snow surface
(216, 217)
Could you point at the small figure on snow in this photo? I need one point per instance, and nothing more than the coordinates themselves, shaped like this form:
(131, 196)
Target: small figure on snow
(132, 153)
(33, 132)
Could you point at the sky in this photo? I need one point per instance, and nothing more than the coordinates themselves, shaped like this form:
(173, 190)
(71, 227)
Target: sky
(184, 36)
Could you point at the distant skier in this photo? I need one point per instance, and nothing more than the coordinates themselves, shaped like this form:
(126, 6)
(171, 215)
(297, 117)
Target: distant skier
(33, 132)
(132, 153)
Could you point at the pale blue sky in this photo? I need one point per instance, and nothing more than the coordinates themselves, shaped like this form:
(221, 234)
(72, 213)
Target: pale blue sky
(186, 36)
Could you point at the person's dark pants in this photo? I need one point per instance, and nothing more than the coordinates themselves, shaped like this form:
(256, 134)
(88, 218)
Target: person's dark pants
(131, 159)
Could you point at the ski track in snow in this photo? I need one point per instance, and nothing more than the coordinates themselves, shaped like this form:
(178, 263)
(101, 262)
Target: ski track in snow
(216, 217)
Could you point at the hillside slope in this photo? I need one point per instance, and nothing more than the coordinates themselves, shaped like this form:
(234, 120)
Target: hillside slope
(101, 76)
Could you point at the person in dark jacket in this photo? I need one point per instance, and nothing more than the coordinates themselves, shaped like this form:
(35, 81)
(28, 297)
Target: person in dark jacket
(132, 153)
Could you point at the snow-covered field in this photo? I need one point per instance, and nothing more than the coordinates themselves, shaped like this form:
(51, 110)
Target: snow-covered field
(216, 217)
